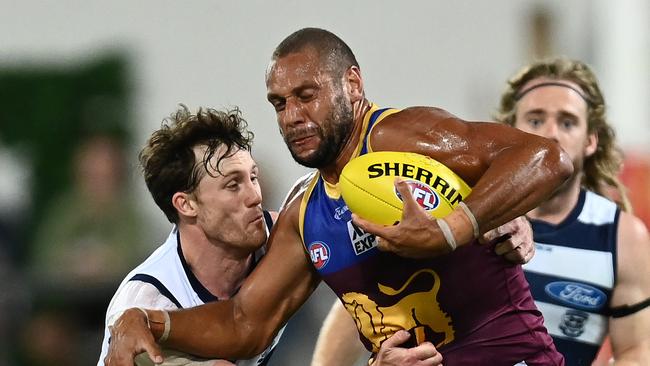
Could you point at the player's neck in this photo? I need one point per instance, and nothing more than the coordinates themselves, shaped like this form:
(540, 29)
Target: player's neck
(220, 269)
(331, 172)
(557, 208)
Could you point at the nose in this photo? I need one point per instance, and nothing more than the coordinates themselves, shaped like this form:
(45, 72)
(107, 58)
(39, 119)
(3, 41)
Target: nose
(292, 113)
(551, 129)
(253, 195)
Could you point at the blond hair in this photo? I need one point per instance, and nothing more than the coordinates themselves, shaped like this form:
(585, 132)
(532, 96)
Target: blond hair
(600, 169)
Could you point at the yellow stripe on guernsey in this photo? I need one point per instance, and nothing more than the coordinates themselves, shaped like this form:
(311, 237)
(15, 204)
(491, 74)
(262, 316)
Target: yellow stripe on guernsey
(303, 205)
(333, 190)
(383, 115)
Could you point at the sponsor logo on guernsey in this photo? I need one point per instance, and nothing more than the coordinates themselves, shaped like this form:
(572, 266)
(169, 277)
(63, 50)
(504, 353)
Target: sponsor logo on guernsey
(340, 211)
(424, 195)
(578, 295)
(427, 177)
(573, 323)
(319, 253)
(361, 240)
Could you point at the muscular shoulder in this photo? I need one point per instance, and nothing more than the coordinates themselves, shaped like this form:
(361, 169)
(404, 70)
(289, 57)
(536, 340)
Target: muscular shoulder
(414, 119)
(416, 124)
(460, 145)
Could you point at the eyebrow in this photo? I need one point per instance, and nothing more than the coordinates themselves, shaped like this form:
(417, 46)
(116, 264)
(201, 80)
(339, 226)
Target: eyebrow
(295, 91)
(542, 111)
(535, 111)
(238, 171)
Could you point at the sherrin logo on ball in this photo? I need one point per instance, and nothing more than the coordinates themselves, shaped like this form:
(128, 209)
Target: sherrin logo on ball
(367, 185)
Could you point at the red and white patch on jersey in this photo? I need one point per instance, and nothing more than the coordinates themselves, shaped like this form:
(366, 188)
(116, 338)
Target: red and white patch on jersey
(319, 253)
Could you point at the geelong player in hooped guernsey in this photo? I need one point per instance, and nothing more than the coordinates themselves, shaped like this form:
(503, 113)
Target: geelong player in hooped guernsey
(573, 273)
(489, 311)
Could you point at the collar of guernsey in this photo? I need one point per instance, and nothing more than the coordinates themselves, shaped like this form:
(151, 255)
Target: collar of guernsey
(370, 119)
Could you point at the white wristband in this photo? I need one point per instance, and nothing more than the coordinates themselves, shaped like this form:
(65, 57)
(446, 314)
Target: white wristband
(471, 217)
(446, 231)
(166, 326)
(146, 315)
(167, 329)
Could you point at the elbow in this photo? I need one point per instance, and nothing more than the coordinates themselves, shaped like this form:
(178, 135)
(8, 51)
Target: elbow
(558, 162)
(254, 336)
(565, 165)
(255, 343)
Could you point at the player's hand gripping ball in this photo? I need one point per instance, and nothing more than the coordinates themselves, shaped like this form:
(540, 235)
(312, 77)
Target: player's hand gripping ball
(368, 185)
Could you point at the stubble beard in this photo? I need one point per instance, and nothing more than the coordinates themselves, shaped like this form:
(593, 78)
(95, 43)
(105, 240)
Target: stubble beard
(333, 134)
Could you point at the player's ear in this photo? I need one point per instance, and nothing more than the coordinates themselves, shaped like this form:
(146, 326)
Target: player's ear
(185, 204)
(354, 82)
(592, 144)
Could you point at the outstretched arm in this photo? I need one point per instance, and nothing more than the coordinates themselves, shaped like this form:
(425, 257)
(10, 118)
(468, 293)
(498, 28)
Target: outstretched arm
(510, 171)
(630, 334)
(238, 328)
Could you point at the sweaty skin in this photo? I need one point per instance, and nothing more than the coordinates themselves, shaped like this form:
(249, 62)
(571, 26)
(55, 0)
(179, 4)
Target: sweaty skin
(511, 172)
(285, 278)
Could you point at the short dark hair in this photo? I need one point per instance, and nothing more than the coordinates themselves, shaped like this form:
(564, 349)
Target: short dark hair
(334, 54)
(168, 161)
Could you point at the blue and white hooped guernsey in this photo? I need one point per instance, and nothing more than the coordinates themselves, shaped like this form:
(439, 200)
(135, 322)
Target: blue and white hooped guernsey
(167, 270)
(573, 273)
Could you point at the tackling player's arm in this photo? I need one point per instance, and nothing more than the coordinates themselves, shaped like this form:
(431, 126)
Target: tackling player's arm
(630, 330)
(242, 326)
(510, 172)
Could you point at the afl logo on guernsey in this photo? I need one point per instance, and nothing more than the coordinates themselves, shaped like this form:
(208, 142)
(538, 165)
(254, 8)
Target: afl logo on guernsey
(578, 295)
(424, 195)
(319, 253)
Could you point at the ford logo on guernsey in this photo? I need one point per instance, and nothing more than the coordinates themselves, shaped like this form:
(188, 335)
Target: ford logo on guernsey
(577, 294)
(319, 253)
(424, 195)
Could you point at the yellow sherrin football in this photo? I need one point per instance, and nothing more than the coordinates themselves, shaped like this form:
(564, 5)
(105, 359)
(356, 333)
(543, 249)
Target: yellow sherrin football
(367, 185)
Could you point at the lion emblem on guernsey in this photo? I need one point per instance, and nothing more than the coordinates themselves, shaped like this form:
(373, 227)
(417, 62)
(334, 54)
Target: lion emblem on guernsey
(417, 309)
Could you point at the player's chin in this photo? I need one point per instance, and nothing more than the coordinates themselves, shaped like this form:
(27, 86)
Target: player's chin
(256, 232)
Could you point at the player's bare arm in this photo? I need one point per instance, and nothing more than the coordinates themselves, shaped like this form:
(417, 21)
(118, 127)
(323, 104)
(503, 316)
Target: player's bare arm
(244, 325)
(630, 334)
(511, 172)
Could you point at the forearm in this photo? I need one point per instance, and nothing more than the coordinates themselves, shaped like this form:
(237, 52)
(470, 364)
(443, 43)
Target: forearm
(338, 342)
(193, 331)
(245, 325)
(536, 172)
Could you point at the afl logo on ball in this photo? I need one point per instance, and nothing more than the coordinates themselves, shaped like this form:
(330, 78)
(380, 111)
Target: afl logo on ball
(319, 253)
(424, 195)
